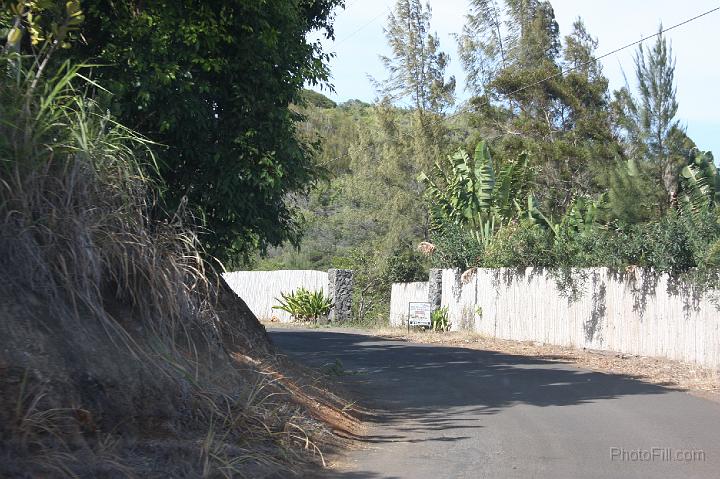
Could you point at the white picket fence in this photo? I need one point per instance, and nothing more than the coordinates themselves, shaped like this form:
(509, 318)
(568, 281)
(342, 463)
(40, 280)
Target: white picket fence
(636, 312)
(259, 289)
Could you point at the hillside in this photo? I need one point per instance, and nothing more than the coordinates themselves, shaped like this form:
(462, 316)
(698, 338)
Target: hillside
(123, 353)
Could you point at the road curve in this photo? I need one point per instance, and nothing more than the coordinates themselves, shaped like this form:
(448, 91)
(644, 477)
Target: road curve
(448, 412)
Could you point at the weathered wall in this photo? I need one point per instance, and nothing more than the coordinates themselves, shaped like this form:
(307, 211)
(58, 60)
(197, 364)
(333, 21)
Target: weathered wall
(435, 288)
(260, 288)
(341, 291)
(401, 295)
(635, 312)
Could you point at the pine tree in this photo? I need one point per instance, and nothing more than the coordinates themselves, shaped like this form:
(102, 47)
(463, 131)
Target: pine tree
(516, 33)
(482, 44)
(416, 66)
(536, 96)
(649, 122)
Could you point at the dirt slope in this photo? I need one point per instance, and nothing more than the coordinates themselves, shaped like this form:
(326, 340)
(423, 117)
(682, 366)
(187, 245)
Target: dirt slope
(84, 396)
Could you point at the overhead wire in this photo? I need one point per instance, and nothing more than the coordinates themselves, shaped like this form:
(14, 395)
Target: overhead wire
(617, 50)
(563, 71)
(365, 25)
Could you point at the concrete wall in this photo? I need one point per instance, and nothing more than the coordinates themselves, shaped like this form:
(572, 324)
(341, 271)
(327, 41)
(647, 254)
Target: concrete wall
(635, 312)
(260, 288)
(401, 295)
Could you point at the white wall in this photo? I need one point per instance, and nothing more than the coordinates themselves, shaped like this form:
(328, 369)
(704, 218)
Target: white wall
(401, 295)
(260, 288)
(635, 313)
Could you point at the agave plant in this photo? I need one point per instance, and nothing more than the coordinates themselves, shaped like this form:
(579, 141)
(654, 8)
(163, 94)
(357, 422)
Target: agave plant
(305, 305)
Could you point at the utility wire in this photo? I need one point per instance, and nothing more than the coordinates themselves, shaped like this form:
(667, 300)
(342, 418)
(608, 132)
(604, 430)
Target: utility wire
(617, 50)
(562, 72)
(340, 42)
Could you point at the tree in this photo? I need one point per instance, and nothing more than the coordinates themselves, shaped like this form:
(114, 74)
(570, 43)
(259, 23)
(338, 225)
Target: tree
(515, 33)
(649, 121)
(532, 95)
(633, 196)
(213, 81)
(417, 67)
(416, 72)
(482, 46)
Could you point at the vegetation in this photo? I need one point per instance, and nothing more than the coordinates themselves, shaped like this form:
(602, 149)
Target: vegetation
(212, 82)
(139, 141)
(440, 320)
(544, 165)
(304, 305)
(124, 354)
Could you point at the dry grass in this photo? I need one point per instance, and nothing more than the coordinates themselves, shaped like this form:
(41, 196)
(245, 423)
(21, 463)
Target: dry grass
(120, 344)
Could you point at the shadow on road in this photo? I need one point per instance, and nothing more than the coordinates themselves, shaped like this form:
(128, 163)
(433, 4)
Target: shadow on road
(430, 393)
(422, 382)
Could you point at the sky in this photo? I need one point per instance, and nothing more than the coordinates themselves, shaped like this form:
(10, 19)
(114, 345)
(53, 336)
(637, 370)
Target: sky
(360, 41)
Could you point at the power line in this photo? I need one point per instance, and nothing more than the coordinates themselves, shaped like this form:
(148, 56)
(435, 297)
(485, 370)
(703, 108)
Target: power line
(339, 42)
(617, 50)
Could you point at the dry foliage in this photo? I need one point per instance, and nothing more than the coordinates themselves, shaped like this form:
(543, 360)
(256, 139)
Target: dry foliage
(120, 344)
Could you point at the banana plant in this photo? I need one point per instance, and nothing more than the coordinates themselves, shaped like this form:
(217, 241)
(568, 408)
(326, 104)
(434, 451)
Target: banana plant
(700, 184)
(529, 212)
(581, 216)
(467, 191)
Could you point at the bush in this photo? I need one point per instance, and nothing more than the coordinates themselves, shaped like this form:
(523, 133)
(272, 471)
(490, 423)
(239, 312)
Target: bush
(440, 319)
(305, 305)
(676, 243)
(455, 247)
(519, 245)
(598, 246)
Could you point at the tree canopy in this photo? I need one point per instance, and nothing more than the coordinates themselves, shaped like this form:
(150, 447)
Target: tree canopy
(213, 82)
(565, 172)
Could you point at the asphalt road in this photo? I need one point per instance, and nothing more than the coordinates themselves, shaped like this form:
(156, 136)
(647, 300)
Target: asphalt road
(447, 412)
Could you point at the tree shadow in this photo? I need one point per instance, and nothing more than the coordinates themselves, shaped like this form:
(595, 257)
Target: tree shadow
(440, 391)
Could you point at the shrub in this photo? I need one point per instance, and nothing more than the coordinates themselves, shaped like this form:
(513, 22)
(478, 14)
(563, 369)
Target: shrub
(519, 245)
(440, 320)
(305, 305)
(455, 247)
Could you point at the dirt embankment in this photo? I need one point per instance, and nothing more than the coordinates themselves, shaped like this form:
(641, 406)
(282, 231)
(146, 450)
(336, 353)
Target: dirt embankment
(111, 396)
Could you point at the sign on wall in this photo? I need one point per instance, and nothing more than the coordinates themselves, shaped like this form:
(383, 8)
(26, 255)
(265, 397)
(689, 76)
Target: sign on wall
(419, 314)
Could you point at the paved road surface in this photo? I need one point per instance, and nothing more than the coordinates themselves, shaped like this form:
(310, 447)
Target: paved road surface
(449, 412)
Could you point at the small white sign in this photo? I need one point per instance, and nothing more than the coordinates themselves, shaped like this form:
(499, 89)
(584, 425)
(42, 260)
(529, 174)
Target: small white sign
(419, 314)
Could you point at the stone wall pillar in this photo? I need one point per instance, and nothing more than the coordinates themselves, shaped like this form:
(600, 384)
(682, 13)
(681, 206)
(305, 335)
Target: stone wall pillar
(340, 289)
(435, 288)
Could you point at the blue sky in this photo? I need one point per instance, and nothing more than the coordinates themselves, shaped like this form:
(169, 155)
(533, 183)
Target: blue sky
(360, 39)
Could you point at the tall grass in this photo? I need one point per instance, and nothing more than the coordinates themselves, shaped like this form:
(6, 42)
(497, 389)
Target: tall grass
(80, 237)
(75, 206)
